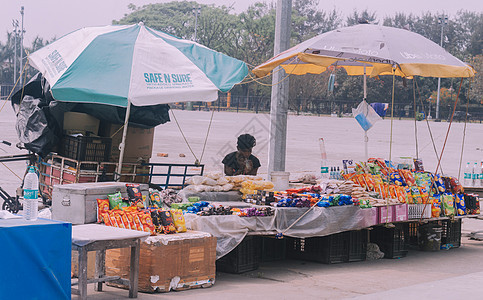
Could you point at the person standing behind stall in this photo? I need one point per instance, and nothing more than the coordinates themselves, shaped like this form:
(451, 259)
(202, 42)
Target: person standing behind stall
(242, 162)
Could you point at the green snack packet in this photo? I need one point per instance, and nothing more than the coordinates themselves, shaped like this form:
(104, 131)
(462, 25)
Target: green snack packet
(115, 201)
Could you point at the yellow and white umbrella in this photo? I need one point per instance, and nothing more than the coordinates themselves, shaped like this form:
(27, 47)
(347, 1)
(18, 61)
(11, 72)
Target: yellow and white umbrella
(380, 49)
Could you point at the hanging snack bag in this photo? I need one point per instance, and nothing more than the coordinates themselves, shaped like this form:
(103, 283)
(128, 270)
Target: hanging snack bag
(447, 201)
(438, 185)
(407, 176)
(167, 221)
(155, 199)
(424, 195)
(460, 205)
(115, 201)
(369, 182)
(178, 220)
(416, 194)
(134, 194)
(401, 194)
(102, 208)
(456, 186)
(418, 165)
(396, 179)
(435, 206)
(393, 191)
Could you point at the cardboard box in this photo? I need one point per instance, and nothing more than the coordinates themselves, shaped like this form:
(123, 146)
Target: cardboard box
(139, 142)
(174, 262)
(75, 122)
(91, 264)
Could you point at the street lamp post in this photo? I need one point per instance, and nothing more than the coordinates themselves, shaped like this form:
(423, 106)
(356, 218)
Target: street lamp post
(21, 49)
(15, 32)
(196, 12)
(443, 20)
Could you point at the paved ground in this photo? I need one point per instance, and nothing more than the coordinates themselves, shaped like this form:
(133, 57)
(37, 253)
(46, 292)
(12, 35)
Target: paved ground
(451, 274)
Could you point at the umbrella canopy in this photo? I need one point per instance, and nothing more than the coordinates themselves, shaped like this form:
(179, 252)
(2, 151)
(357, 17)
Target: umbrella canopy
(378, 48)
(114, 64)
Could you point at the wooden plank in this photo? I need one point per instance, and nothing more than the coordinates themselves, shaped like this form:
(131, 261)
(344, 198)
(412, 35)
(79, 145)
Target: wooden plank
(134, 275)
(100, 268)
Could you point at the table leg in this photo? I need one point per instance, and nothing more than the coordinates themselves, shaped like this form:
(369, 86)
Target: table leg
(82, 273)
(100, 268)
(134, 274)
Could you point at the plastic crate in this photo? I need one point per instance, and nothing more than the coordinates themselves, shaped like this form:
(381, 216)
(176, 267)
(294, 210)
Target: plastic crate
(394, 242)
(272, 249)
(413, 234)
(244, 258)
(327, 249)
(357, 245)
(86, 148)
(451, 234)
(416, 210)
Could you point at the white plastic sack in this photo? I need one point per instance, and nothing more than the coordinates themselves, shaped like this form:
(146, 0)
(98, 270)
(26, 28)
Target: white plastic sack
(365, 115)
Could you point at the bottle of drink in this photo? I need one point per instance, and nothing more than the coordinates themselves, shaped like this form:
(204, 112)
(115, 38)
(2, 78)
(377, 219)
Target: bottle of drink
(324, 163)
(467, 177)
(481, 174)
(338, 175)
(475, 175)
(31, 195)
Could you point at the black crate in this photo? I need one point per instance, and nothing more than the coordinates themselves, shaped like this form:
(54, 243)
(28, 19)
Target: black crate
(86, 148)
(451, 234)
(413, 234)
(272, 249)
(394, 242)
(357, 245)
(327, 249)
(244, 258)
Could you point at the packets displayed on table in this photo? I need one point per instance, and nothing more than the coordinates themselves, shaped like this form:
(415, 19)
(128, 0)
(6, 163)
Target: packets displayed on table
(460, 204)
(447, 201)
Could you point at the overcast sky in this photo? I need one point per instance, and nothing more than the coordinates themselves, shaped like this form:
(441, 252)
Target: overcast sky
(54, 18)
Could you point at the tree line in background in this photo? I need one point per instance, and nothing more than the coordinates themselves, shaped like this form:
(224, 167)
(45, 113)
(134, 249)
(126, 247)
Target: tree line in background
(249, 36)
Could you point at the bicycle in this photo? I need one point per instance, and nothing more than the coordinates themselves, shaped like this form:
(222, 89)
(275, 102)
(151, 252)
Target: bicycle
(10, 203)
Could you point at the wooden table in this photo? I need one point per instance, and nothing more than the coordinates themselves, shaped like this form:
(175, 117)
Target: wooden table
(99, 238)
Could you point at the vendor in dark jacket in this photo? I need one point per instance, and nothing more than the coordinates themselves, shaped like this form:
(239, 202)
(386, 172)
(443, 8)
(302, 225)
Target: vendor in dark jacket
(242, 162)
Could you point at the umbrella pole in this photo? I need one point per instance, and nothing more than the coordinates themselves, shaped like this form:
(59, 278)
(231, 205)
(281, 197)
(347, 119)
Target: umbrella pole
(366, 138)
(122, 146)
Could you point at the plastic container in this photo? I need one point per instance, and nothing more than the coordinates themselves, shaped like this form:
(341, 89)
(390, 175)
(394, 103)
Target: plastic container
(451, 233)
(280, 180)
(467, 178)
(329, 249)
(31, 195)
(324, 163)
(86, 148)
(429, 237)
(475, 175)
(244, 258)
(394, 242)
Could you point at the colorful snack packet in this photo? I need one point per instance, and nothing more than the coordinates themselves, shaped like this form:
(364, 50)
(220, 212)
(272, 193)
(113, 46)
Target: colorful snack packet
(438, 186)
(416, 194)
(155, 199)
(369, 182)
(134, 194)
(396, 179)
(147, 223)
(167, 221)
(112, 218)
(106, 219)
(102, 208)
(460, 204)
(119, 220)
(178, 219)
(115, 201)
(447, 201)
(424, 195)
(435, 206)
(407, 176)
(401, 194)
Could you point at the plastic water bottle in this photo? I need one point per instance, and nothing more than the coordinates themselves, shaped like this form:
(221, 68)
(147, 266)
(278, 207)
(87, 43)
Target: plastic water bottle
(324, 163)
(467, 178)
(475, 175)
(481, 174)
(31, 195)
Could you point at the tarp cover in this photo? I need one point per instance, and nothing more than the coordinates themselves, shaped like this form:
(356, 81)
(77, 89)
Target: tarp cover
(40, 117)
(230, 230)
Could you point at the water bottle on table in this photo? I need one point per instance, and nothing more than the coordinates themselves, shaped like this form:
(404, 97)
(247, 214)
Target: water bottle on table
(475, 175)
(31, 195)
(467, 178)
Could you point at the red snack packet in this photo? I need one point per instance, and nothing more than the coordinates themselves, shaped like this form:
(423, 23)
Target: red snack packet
(102, 208)
(117, 215)
(107, 220)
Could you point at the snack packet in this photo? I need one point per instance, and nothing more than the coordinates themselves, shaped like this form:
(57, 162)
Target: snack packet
(155, 199)
(447, 201)
(435, 206)
(178, 219)
(134, 194)
(115, 201)
(416, 195)
(396, 179)
(460, 204)
(167, 221)
(102, 208)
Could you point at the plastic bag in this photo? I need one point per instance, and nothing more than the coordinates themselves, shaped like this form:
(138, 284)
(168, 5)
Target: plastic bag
(365, 115)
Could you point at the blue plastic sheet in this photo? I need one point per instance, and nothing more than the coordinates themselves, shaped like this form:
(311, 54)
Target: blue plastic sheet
(35, 259)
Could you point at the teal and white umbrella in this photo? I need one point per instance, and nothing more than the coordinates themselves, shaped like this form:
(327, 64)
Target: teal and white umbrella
(132, 64)
(115, 65)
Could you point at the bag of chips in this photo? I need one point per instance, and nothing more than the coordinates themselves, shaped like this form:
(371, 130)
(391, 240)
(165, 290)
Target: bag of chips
(112, 218)
(166, 221)
(447, 201)
(134, 194)
(102, 208)
(156, 221)
(147, 223)
(396, 179)
(178, 220)
(155, 199)
(407, 176)
(435, 206)
(401, 194)
(115, 201)
(460, 204)
(416, 194)
(424, 195)
(106, 219)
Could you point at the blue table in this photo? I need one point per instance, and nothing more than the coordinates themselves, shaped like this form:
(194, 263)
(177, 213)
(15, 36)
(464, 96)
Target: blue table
(35, 259)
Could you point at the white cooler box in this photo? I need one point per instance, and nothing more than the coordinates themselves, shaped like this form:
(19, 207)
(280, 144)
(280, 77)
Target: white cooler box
(76, 203)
